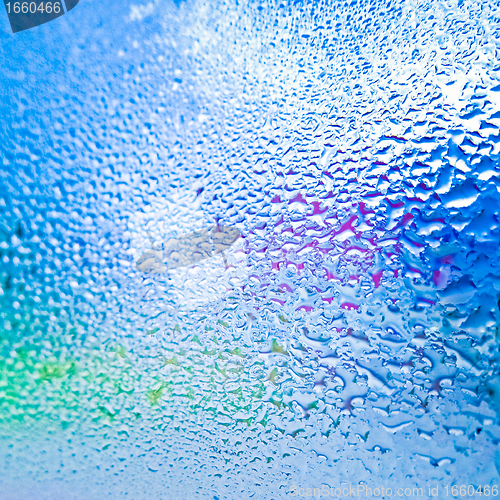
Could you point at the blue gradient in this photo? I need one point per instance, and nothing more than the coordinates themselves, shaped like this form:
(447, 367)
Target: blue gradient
(348, 339)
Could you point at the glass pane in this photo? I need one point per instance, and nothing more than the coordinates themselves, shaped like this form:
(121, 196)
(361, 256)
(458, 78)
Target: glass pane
(250, 250)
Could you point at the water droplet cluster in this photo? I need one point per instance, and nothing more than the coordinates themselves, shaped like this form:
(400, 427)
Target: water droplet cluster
(350, 335)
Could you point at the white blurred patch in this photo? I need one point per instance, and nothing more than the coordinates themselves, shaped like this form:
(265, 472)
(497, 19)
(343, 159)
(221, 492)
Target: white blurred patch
(140, 12)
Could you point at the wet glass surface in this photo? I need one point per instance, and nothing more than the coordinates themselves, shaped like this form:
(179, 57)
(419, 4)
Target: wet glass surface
(344, 332)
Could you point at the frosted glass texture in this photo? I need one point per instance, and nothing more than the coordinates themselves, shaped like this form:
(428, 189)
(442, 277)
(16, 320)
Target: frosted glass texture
(339, 331)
